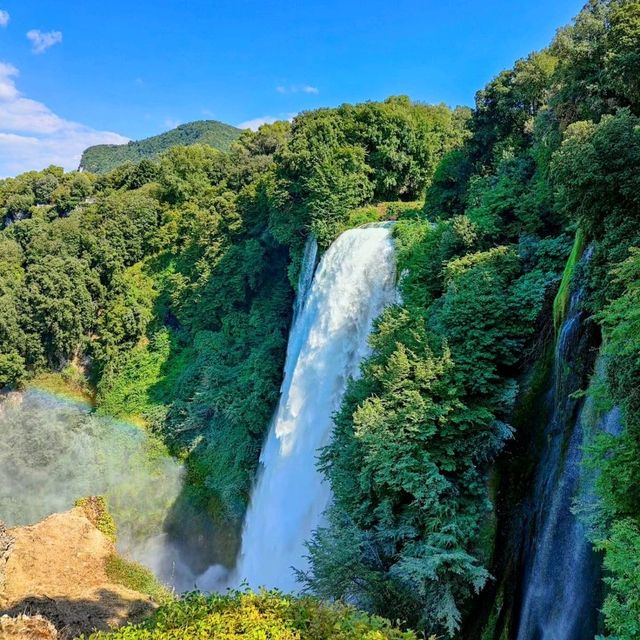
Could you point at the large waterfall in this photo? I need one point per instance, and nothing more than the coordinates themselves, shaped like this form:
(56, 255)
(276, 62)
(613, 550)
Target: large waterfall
(353, 282)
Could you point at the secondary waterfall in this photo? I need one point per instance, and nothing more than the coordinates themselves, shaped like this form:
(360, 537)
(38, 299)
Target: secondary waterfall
(561, 574)
(352, 284)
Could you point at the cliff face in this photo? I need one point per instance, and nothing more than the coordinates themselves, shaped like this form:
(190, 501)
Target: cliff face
(56, 568)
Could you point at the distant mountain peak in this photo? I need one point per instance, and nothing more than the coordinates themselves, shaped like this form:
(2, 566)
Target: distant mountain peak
(104, 157)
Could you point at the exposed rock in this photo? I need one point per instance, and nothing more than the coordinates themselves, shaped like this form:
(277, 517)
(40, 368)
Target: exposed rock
(6, 545)
(56, 568)
(26, 628)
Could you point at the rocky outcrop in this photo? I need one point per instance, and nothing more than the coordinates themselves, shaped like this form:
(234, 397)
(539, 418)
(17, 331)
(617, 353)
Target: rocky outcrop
(6, 545)
(27, 628)
(57, 569)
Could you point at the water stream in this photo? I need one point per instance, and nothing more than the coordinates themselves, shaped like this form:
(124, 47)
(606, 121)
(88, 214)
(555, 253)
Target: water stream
(561, 574)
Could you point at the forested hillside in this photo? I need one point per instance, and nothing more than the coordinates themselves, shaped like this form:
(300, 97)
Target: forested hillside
(169, 284)
(105, 157)
(167, 287)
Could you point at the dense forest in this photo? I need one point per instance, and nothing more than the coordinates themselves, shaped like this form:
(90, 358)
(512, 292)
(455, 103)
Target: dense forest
(165, 288)
(105, 157)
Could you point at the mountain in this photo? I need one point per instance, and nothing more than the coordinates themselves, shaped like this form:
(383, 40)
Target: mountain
(104, 157)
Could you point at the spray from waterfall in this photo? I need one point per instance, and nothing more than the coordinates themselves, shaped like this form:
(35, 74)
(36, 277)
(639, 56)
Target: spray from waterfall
(55, 451)
(354, 281)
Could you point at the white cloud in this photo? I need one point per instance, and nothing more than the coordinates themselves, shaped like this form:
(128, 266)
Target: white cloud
(43, 40)
(297, 88)
(172, 123)
(256, 123)
(33, 137)
(4, 18)
(8, 89)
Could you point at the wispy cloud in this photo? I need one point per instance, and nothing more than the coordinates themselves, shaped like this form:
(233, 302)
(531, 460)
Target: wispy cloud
(33, 137)
(297, 88)
(172, 123)
(4, 18)
(43, 40)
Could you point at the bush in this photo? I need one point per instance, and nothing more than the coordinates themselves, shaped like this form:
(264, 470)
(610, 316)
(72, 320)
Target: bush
(255, 616)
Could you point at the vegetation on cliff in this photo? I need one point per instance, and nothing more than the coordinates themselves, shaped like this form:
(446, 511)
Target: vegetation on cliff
(171, 281)
(552, 156)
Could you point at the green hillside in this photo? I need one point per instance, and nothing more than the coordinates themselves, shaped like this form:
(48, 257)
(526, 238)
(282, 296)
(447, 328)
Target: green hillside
(104, 157)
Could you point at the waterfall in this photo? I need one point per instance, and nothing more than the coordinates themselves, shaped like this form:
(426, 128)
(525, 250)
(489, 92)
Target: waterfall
(307, 269)
(352, 284)
(561, 572)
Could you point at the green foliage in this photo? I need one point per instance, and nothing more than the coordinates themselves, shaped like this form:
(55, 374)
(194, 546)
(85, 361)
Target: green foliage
(596, 169)
(268, 614)
(127, 380)
(418, 430)
(447, 194)
(12, 370)
(137, 578)
(45, 193)
(105, 157)
(618, 458)
(339, 159)
(622, 562)
(97, 512)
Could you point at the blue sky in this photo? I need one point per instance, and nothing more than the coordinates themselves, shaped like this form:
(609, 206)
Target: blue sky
(92, 71)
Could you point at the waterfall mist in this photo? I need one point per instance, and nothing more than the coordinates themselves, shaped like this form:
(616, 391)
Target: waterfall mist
(55, 451)
(352, 284)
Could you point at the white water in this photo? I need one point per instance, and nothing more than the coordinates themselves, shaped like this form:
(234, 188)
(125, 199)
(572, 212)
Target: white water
(353, 282)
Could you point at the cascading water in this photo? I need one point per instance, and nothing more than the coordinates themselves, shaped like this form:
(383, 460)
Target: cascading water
(354, 281)
(561, 572)
(307, 269)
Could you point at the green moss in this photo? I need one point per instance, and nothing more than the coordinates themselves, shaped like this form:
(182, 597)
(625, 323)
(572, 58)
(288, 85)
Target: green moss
(561, 300)
(136, 577)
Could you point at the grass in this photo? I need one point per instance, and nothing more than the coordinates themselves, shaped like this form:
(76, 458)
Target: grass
(137, 578)
(267, 615)
(69, 383)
